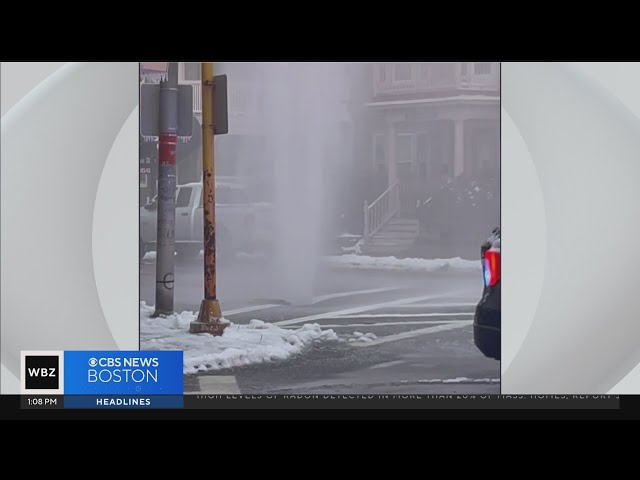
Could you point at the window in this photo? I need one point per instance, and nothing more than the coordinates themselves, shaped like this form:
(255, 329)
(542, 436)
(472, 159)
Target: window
(482, 68)
(405, 170)
(425, 70)
(379, 154)
(382, 72)
(402, 72)
(184, 197)
(404, 148)
(239, 101)
(423, 170)
(191, 72)
(422, 154)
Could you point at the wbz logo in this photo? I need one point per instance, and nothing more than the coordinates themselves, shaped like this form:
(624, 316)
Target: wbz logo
(42, 372)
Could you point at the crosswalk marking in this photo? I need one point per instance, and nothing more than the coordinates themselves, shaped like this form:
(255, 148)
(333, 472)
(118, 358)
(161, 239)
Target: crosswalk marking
(252, 308)
(364, 308)
(384, 324)
(439, 305)
(387, 364)
(218, 384)
(408, 315)
(330, 296)
(413, 333)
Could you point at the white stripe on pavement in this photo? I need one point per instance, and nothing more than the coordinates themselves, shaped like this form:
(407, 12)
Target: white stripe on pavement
(407, 315)
(218, 384)
(252, 308)
(439, 305)
(329, 296)
(384, 324)
(364, 308)
(386, 364)
(412, 333)
(455, 380)
(315, 300)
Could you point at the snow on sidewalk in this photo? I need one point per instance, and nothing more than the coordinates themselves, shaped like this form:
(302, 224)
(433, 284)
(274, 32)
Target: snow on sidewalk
(404, 264)
(256, 342)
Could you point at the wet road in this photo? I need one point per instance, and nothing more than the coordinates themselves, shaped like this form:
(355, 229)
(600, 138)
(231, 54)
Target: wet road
(418, 324)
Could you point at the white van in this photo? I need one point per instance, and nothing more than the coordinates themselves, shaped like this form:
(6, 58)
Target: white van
(236, 220)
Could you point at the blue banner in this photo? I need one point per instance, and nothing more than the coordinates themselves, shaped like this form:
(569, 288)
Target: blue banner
(123, 372)
(123, 401)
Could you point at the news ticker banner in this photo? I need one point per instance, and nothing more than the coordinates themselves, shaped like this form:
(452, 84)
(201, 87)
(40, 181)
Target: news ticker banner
(155, 380)
(102, 379)
(198, 401)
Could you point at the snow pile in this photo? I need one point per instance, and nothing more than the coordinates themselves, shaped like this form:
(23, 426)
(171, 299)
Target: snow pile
(239, 255)
(403, 264)
(356, 249)
(256, 342)
(363, 337)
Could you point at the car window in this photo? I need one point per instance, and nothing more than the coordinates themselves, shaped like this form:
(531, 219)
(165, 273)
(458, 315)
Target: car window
(184, 197)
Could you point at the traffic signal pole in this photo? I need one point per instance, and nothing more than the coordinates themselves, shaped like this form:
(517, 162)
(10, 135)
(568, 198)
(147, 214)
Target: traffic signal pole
(208, 320)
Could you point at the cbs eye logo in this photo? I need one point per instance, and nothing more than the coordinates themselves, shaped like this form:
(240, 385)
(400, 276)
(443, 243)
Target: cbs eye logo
(93, 362)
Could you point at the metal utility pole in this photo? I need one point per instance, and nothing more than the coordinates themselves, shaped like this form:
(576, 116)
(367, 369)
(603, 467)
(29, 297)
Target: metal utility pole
(208, 320)
(165, 251)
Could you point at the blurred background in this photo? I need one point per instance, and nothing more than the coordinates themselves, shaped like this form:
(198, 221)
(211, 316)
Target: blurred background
(420, 138)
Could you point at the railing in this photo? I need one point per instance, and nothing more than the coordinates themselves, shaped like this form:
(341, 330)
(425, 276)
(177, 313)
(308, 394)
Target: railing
(391, 78)
(380, 211)
(241, 96)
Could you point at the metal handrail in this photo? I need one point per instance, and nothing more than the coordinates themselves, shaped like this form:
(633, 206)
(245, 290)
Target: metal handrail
(380, 211)
(383, 194)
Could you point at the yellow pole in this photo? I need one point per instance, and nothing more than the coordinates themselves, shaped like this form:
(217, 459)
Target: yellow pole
(209, 316)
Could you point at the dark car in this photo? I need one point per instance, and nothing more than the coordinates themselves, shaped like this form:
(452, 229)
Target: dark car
(486, 323)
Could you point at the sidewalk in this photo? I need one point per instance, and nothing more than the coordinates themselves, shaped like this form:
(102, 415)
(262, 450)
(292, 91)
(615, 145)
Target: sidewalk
(441, 249)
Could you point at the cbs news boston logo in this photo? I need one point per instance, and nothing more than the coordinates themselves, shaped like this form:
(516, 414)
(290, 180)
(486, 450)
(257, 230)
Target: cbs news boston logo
(128, 369)
(103, 372)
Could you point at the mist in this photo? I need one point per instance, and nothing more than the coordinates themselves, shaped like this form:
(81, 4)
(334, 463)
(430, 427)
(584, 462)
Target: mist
(312, 142)
(302, 107)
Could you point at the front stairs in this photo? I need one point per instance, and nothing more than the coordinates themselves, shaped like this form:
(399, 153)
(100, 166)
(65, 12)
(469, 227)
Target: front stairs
(393, 238)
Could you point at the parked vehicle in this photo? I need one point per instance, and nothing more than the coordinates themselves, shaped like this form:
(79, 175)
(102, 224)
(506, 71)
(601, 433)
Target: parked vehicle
(486, 324)
(240, 224)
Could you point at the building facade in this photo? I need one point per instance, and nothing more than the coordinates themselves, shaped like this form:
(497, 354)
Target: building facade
(405, 129)
(426, 121)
